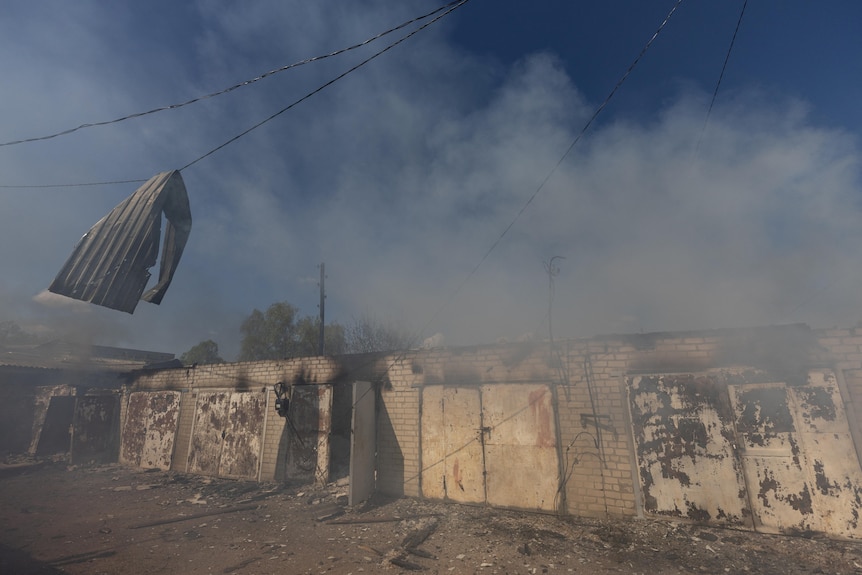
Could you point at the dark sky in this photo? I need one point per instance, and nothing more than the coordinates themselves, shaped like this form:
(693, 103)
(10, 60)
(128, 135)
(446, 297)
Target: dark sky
(412, 177)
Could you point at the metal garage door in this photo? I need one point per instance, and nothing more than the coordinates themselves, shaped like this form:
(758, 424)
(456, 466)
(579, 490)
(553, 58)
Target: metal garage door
(493, 444)
(226, 434)
(150, 429)
(799, 458)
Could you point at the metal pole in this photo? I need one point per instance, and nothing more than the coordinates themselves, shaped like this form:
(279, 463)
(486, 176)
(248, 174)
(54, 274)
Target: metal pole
(320, 339)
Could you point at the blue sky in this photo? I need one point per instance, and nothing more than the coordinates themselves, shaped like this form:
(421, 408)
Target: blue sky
(402, 175)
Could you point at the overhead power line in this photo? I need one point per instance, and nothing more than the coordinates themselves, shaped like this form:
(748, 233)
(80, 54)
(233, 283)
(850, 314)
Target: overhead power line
(721, 75)
(553, 170)
(231, 88)
(451, 8)
(446, 10)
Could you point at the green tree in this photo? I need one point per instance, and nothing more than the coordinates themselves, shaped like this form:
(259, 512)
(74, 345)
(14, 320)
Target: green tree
(309, 337)
(202, 353)
(281, 333)
(11, 334)
(367, 335)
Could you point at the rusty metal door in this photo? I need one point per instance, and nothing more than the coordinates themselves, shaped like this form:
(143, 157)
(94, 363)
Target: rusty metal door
(150, 429)
(684, 438)
(363, 443)
(226, 434)
(95, 429)
(799, 458)
(55, 435)
(309, 420)
(493, 444)
(240, 454)
(834, 469)
(520, 446)
(208, 431)
(453, 465)
(774, 467)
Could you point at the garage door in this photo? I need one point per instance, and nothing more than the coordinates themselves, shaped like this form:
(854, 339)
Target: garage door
(493, 444)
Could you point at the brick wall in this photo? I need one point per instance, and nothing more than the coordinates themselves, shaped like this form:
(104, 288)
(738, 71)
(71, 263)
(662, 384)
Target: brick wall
(239, 377)
(589, 378)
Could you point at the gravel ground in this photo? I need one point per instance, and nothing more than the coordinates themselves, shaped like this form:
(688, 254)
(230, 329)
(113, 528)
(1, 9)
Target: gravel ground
(113, 520)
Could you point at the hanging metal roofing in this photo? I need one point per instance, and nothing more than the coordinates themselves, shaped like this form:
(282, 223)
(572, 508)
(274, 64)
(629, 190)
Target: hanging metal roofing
(110, 265)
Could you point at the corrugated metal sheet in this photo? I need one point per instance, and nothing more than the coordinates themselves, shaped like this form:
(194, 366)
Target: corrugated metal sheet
(110, 265)
(150, 429)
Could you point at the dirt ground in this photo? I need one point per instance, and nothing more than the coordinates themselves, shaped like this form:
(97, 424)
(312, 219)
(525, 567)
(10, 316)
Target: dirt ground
(56, 519)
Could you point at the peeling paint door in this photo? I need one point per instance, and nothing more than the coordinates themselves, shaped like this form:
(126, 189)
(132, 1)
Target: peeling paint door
(684, 438)
(226, 434)
(309, 423)
(493, 444)
(150, 429)
(800, 460)
(825, 434)
(453, 464)
(208, 431)
(240, 455)
(771, 453)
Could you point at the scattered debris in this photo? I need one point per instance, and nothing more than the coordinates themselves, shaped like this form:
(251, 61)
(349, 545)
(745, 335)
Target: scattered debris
(194, 516)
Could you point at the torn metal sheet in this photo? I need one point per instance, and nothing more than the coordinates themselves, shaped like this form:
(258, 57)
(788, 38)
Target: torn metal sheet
(110, 265)
(150, 429)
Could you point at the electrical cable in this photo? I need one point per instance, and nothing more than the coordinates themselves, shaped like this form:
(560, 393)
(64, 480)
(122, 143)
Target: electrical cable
(453, 6)
(449, 8)
(721, 75)
(46, 186)
(229, 89)
(553, 170)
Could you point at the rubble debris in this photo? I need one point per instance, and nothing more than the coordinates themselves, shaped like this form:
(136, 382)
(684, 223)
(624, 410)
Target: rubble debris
(194, 516)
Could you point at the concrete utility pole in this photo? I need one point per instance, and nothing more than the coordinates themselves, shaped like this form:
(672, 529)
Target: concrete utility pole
(320, 338)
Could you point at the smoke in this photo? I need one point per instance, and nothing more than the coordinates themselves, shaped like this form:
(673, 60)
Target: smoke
(404, 175)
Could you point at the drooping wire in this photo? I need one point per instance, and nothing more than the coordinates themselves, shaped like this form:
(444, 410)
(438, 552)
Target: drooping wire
(553, 170)
(451, 8)
(226, 90)
(721, 75)
(45, 186)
